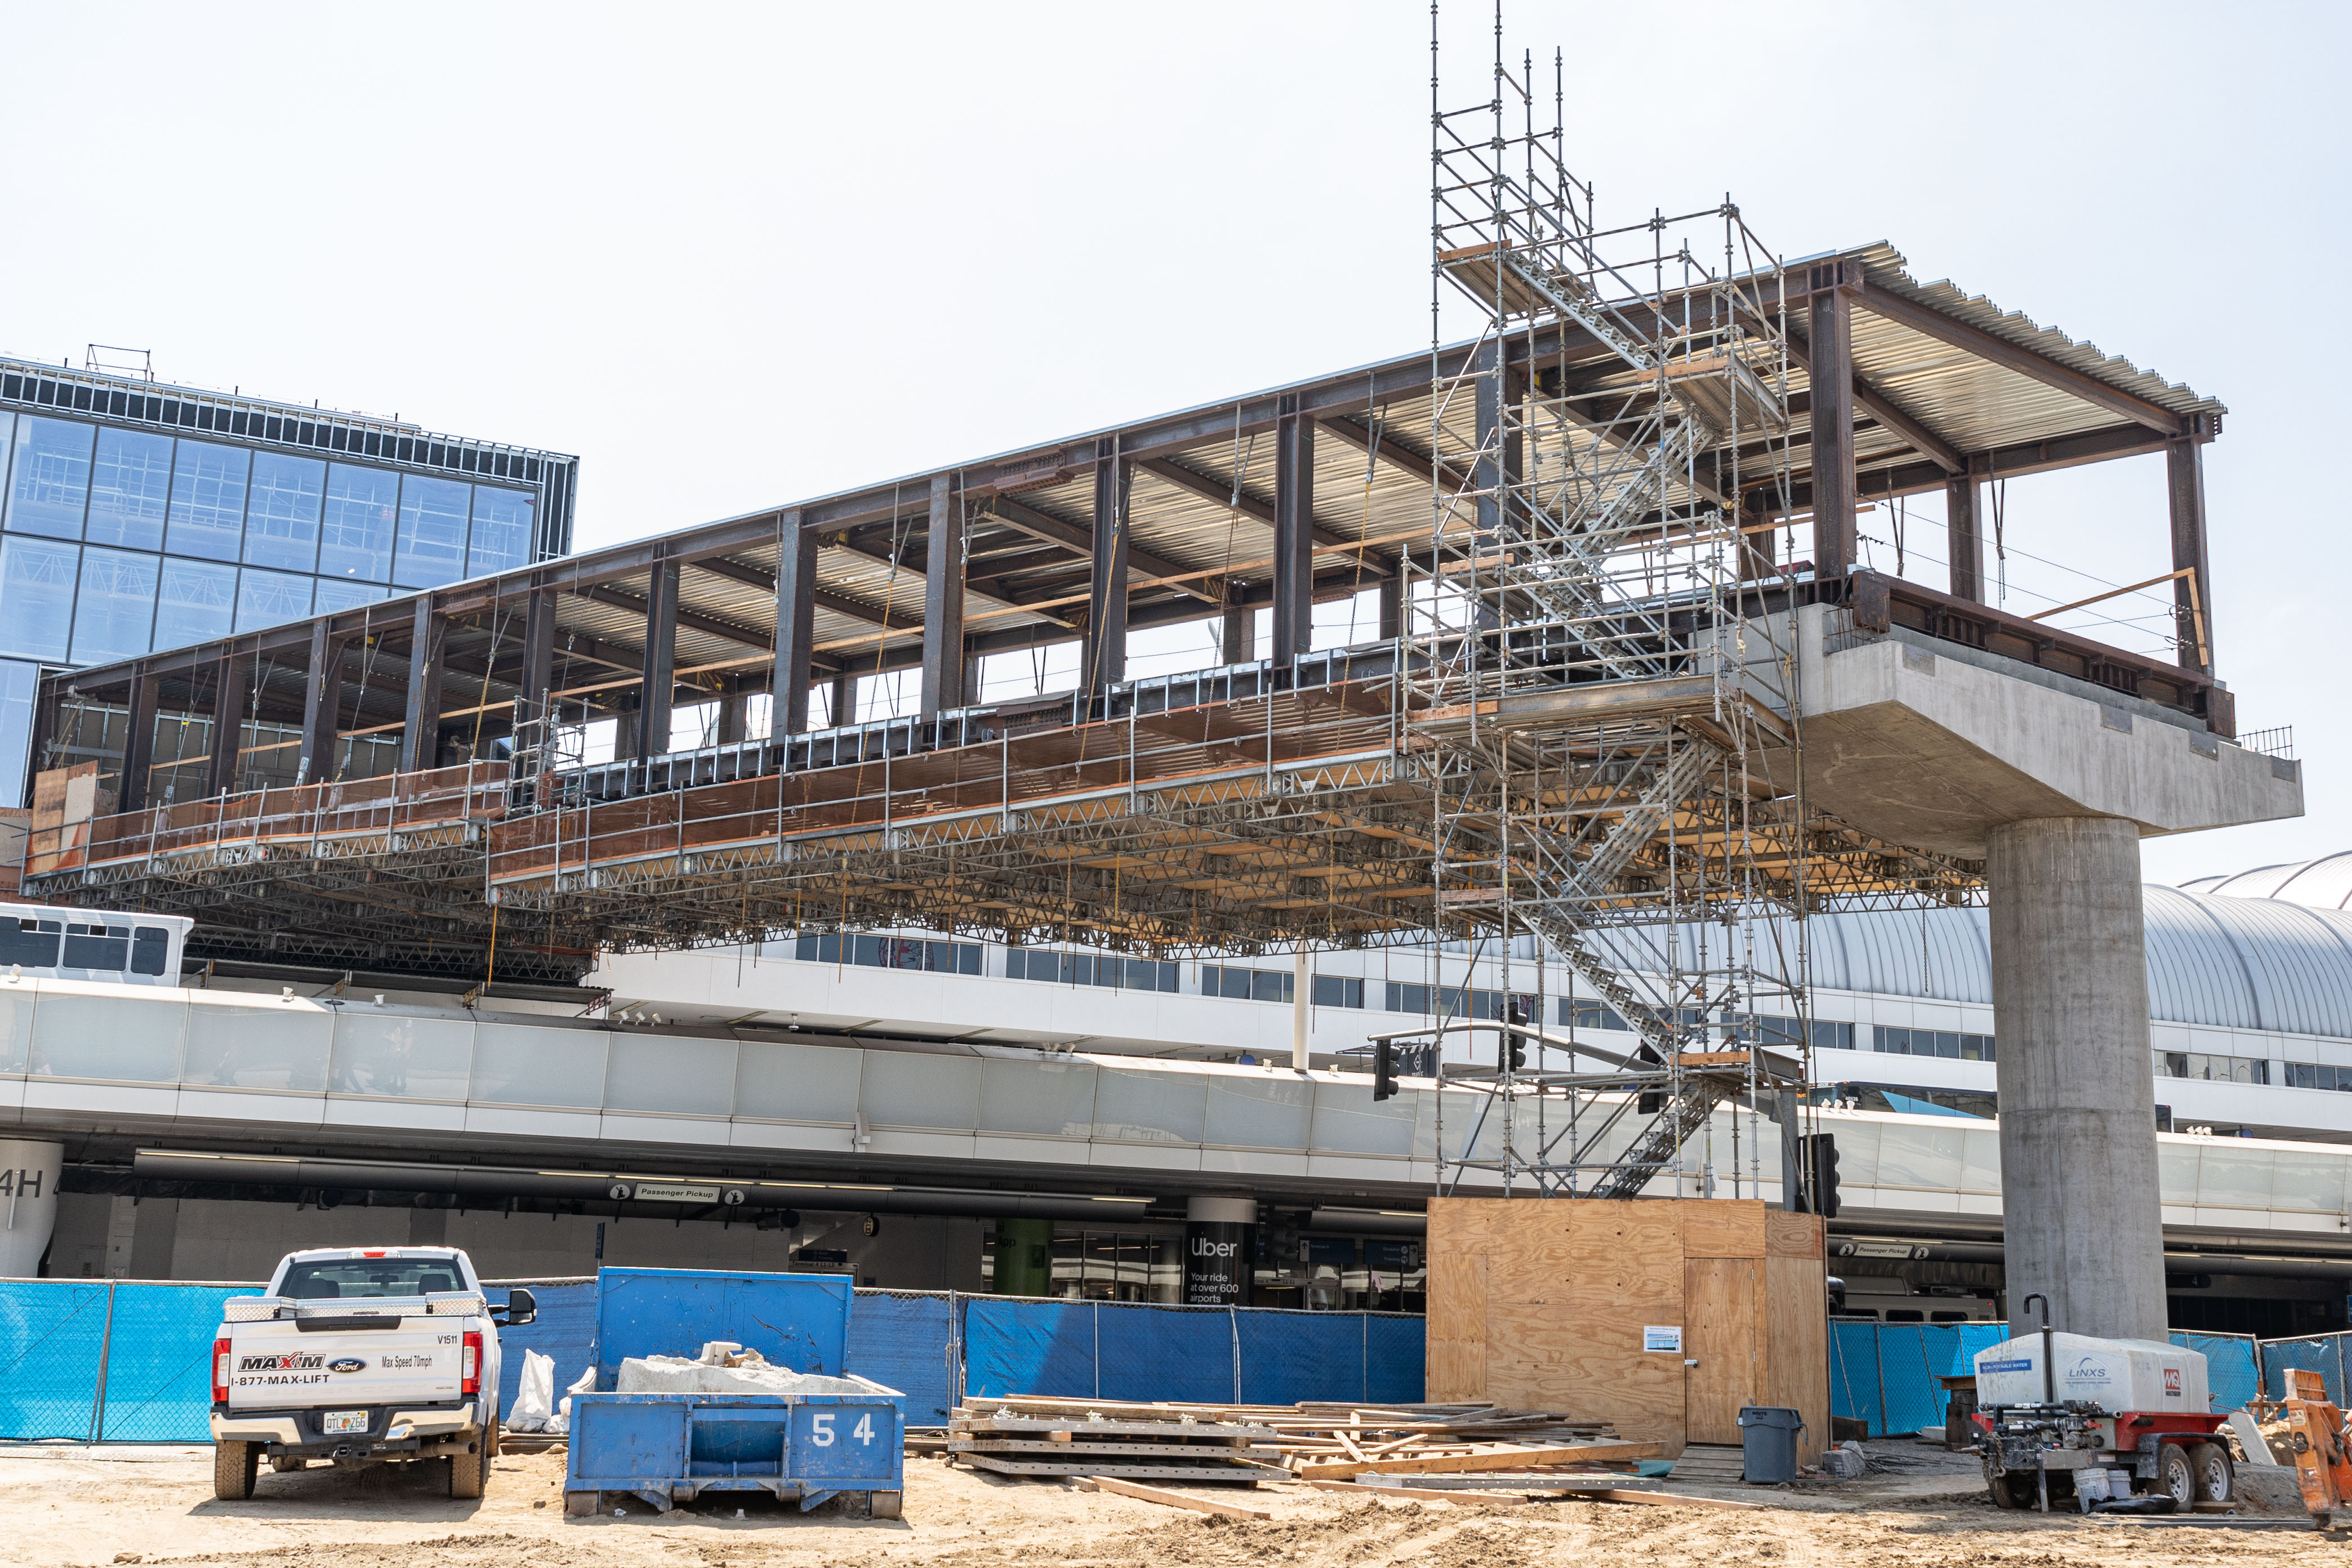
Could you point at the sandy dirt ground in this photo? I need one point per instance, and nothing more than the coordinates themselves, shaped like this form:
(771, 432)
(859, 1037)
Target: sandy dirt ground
(76, 1507)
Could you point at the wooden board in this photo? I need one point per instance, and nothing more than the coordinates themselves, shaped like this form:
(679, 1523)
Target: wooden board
(1178, 1499)
(1496, 1460)
(1539, 1304)
(1721, 1299)
(1421, 1494)
(1246, 1474)
(1796, 1345)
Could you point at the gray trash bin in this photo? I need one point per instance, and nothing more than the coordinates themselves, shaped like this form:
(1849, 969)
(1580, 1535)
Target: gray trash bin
(1767, 1444)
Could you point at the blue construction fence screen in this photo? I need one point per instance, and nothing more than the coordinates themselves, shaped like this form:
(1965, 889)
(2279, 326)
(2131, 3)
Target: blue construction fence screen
(1888, 1374)
(131, 1361)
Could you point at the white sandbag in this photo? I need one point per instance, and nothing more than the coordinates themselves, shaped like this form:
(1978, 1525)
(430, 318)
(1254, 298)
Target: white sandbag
(561, 1422)
(678, 1374)
(534, 1402)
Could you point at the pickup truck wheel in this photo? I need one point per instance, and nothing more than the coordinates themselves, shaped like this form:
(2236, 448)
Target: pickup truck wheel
(469, 1473)
(235, 1467)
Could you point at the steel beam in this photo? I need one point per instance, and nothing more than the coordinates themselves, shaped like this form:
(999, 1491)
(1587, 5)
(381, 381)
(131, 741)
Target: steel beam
(228, 722)
(795, 586)
(1830, 328)
(1049, 529)
(2193, 595)
(943, 594)
(1294, 535)
(138, 741)
(2025, 362)
(1965, 534)
(420, 737)
(538, 647)
(322, 699)
(1104, 660)
(660, 682)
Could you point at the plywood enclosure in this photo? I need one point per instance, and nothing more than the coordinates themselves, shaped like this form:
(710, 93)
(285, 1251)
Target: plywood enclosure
(1541, 1303)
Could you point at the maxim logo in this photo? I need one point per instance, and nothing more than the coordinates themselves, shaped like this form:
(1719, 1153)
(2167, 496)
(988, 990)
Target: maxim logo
(280, 1363)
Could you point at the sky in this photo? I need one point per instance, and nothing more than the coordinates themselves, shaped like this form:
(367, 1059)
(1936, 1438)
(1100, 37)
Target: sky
(736, 255)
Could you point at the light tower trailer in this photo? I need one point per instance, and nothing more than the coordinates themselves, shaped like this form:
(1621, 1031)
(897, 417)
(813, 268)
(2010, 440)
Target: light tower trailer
(2054, 1406)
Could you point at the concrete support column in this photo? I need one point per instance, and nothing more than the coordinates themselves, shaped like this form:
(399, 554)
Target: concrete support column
(28, 1205)
(1302, 997)
(1829, 332)
(943, 584)
(1220, 1251)
(2079, 1194)
(1965, 533)
(1025, 1257)
(420, 738)
(229, 723)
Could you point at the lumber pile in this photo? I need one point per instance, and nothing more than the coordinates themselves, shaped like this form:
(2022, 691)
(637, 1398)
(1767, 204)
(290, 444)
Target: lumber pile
(1026, 1435)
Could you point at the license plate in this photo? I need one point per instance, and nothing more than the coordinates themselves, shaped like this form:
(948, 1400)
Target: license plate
(344, 1421)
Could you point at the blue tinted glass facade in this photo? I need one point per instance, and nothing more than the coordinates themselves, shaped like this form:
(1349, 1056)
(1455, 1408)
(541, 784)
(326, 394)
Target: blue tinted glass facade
(136, 516)
(282, 511)
(131, 482)
(207, 515)
(49, 476)
(114, 609)
(362, 509)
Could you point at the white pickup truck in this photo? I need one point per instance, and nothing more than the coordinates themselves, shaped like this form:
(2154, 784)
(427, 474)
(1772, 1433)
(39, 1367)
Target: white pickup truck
(361, 1355)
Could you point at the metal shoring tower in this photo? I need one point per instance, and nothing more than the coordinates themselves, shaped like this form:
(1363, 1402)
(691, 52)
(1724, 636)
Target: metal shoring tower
(1592, 709)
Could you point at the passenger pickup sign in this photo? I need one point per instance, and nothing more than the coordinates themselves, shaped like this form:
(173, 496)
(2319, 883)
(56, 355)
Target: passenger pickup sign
(675, 1193)
(1663, 1337)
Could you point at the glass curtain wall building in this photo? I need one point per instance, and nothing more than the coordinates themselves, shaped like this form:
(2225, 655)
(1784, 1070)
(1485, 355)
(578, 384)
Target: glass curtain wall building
(136, 516)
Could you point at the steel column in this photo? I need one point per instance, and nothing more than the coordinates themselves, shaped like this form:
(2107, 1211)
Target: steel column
(1239, 632)
(538, 646)
(420, 738)
(660, 681)
(138, 741)
(844, 697)
(229, 723)
(1104, 657)
(1965, 534)
(1830, 327)
(322, 702)
(2193, 595)
(1294, 532)
(1388, 594)
(796, 621)
(943, 581)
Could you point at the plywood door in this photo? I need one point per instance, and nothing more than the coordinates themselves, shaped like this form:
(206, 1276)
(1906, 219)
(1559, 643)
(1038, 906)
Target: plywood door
(1722, 1302)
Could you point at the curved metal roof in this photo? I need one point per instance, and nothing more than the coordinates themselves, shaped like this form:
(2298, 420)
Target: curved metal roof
(2249, 962)
(2324, 884)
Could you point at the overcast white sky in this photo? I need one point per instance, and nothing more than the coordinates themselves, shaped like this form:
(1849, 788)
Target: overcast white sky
(735, 255)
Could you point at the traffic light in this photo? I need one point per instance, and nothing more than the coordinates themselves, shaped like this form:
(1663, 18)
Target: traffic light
(1384, 1084)
(1512, 1055)
(1825, 1164)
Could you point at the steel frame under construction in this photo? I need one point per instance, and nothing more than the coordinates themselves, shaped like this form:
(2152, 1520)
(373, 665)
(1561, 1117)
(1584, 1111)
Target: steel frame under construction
(1577, 715)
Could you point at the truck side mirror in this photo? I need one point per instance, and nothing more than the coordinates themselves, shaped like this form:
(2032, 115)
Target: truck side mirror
(521, 1308)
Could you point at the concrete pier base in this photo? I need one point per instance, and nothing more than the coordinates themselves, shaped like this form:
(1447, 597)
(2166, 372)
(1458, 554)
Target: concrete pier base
(2078, 1159)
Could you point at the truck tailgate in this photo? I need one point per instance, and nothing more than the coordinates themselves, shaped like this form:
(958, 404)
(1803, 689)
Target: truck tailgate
(274, 1366)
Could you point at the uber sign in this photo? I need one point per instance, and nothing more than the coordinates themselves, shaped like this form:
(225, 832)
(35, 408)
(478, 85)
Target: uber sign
(1218, 1259)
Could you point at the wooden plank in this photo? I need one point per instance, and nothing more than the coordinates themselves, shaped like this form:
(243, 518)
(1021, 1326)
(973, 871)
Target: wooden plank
(1796, 1346)
(1722, 1298)
(1421, 1494)
(1491, 1459)
(1248, 1475)
(1790, 1235)
(1178, 1499)
(1018, 1448)
(1722, 1228)
(1670, 1500)
(1455, 1328)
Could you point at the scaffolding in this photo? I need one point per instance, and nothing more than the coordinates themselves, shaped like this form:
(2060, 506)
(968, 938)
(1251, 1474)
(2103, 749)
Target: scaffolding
(1603, 716)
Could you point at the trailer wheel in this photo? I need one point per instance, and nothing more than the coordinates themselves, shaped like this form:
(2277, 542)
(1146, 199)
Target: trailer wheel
(2175, 1477)
(235, 1467)
(2216, 1477)
(884, 1505)
(583, 1505)
(2010, 1488)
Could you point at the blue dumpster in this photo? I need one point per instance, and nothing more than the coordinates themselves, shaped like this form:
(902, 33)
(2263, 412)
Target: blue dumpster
(670, 1447)
(795, 1321)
